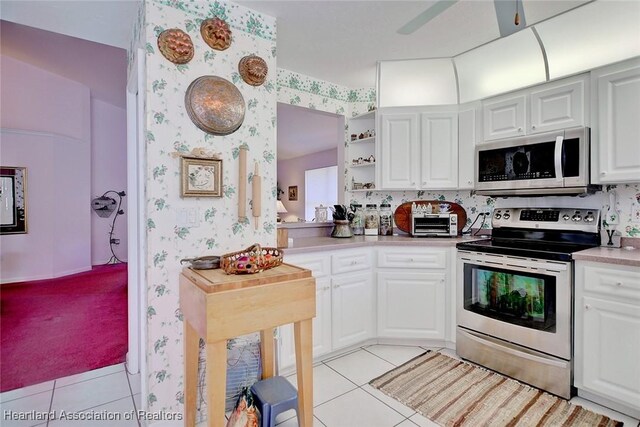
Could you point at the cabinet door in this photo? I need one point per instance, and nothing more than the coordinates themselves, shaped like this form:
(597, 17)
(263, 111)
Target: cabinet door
(467, 137)
(352, 308)
(399, 151)
(504, 117)
(439, 151)
(559, 106)
(616, 133)
(607, 361)
(321, 328)
(411, 305)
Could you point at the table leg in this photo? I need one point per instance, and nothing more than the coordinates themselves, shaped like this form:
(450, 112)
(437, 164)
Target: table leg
(216, 382)
(266, 351)
(304, 365)
(191, 343)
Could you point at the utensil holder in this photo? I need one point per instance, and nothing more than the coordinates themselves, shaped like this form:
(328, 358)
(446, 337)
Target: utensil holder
(341, 228)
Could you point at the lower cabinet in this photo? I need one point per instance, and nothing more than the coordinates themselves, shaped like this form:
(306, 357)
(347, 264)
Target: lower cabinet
(410, 305)
(345, 304)
(607, 333)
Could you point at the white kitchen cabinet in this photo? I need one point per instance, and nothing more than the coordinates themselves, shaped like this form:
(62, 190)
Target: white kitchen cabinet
(419, 150)
(504, 116)
(345, 305)
(411, 305)
(412, 292)
(615, 133)
(361, 152)
(552, 106)
(607, 335)
(352, 308)
(399, 151)
(439, 151)
(469, 132)
(558, 105)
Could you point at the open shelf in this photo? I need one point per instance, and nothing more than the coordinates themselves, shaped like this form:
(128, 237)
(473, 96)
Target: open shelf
(359, 141)
(363, 165)
(363, 116)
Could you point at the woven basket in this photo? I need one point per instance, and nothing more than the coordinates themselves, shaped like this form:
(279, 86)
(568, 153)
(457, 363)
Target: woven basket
(254, 259)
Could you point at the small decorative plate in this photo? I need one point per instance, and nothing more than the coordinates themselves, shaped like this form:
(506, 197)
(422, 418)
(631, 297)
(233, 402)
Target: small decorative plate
(253, 70)
(216, 33)
(176, 46)
(215, 105)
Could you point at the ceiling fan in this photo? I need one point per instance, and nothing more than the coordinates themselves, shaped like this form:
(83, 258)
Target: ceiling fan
(509, 13)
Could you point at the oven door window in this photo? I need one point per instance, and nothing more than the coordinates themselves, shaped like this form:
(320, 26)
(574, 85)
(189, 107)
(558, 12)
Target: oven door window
(514, 297)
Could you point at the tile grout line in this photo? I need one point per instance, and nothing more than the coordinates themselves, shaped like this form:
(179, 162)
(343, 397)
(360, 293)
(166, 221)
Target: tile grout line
(53, 390)
(135, 409)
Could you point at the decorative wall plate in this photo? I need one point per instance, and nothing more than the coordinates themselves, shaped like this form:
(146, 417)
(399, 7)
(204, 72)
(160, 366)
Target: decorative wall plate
(253, 70)
(215, 105)
(216, 33)
(176, 45)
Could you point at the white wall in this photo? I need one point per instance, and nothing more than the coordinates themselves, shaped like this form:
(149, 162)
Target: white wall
(46, 128)
(108, 172)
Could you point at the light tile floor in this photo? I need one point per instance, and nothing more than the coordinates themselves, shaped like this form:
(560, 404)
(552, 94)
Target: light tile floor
(342, 395)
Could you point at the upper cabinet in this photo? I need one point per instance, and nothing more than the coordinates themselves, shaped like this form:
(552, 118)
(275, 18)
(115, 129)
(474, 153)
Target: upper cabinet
(419, 149)
(553, 106)
(615, 135)
(469, 133)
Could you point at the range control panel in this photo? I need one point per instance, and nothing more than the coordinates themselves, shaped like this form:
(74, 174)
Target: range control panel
(547, 218)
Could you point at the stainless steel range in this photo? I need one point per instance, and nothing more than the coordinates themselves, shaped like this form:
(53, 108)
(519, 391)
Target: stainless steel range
(515, 294)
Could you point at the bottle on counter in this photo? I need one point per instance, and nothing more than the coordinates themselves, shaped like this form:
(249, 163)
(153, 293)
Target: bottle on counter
(386, 220)
(371, 220)
(357, 223)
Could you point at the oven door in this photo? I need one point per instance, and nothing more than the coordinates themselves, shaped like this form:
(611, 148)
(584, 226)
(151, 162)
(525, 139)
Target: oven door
(525, 301)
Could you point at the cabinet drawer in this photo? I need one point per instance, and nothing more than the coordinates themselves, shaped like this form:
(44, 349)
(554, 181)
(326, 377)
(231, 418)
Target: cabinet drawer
(412, 258)
(350, 261)
(623, 283)
(318, 263)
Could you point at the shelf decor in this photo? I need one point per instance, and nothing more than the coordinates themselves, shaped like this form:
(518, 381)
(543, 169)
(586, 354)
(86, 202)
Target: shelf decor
(201, 177)
(253, 70)
(216, 33)
(176, 46)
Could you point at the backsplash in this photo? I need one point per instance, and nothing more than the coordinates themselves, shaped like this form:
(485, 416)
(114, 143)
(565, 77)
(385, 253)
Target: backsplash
(626, 195)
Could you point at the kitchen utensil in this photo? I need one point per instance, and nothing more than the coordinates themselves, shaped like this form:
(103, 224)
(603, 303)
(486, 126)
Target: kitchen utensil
(612, 217)
(257, 195)
(253, 70)
(175, 45)
(216, 33)
(215, 105)
(242, 184)
(203, 262)
(402, 215)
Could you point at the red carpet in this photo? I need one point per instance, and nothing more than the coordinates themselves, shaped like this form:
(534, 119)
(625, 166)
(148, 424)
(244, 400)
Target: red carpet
(54, 328)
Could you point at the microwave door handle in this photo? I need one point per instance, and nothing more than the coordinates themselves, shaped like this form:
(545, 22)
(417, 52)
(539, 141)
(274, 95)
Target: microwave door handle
(558, 157)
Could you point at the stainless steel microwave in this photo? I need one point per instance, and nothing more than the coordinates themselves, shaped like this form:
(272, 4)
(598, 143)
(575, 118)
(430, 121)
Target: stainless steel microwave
(548, 163)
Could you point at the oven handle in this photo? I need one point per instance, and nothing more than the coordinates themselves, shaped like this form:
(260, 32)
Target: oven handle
(524, 264)
(512, 351)
(558, 157)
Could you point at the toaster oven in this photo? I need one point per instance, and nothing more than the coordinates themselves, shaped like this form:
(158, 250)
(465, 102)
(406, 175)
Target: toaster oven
(434, 224)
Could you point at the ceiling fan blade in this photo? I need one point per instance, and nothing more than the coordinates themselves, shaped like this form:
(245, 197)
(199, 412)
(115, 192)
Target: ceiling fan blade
(506, 12)
(426, 16)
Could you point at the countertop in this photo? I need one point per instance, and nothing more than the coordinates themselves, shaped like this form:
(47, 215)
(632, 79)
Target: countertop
(619, 256)
(309, 224)
(313, 244)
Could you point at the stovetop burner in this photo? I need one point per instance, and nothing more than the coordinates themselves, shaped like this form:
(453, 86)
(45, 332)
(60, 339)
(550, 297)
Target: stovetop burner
(544, 233)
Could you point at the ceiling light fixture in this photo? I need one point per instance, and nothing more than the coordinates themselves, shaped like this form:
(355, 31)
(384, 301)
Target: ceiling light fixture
(517, 18)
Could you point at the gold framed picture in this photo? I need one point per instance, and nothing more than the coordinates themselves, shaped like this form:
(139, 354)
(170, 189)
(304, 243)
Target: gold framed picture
(201, 177)
(293, 192)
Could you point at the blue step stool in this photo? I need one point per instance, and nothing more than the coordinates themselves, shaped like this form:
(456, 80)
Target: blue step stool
(274, 396)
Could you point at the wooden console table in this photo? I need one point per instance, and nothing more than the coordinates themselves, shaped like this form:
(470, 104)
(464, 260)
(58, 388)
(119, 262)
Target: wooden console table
(217, 307)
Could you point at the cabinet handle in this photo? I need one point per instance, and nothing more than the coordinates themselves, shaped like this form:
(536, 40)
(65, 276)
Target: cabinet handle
(354, 262)
(424, 183)
(587, 306)
(519, 129)
(413, 183)
(326, 288)
(618, 283)
(411, 259)
(469, 182)
(533, 127)
(336, 286)
(603, 173)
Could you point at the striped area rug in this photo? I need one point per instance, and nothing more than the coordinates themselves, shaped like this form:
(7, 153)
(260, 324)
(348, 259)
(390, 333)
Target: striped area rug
(455, 393)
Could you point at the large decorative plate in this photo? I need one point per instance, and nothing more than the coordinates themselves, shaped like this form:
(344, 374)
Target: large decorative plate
(175, 45)
(253, 70)
(215, 105)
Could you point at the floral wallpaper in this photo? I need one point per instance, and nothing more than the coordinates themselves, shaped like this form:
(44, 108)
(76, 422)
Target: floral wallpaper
(169, 132)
